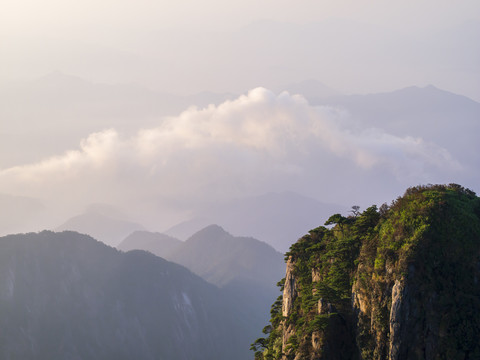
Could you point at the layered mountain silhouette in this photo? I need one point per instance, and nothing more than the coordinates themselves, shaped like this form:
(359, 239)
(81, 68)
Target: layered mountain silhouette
(222, 258)
(275, 218)
(103, 227)
(215, 255)
(157, 243)
(244, 267)
(309, 88)
(66, 295)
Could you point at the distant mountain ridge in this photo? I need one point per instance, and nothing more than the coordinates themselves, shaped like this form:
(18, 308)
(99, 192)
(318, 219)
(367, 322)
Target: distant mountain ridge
(428, 112)
(157, 243)
(310, 88)
(214, 254)
(275, 218)
(405, 103)
(244, 267)
(220, 257)
(105, 228)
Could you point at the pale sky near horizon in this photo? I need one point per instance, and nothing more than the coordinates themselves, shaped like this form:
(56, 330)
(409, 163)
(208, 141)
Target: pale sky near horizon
(187, 46)
(25, 15)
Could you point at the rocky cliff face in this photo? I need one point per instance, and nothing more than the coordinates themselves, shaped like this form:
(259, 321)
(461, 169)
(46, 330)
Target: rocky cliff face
(399, 283)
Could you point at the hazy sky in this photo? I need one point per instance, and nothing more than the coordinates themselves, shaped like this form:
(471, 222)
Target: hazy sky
(189, 46)
(258, 142)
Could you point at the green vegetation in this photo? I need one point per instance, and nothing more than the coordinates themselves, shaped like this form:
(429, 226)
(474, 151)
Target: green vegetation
(426, 245)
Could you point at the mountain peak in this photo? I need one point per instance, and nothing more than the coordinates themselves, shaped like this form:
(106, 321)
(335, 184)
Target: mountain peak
(212, 231)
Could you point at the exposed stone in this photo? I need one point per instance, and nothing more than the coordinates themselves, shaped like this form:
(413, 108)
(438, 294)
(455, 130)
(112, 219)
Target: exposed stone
(290, 290)
(290, 293)
(316, 340)
(325, 307)
(316, 277)
(396, 320)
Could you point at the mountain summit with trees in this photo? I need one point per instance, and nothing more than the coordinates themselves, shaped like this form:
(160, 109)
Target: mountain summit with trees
(398, 282)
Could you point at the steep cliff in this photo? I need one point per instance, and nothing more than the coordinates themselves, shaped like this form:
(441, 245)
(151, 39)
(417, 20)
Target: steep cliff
(401, 282)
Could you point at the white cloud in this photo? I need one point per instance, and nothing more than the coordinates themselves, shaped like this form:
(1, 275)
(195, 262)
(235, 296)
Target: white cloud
(256, 143)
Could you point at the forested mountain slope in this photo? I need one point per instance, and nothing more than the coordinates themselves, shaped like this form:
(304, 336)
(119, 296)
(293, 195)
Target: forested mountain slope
(68, 296)
(399, 282)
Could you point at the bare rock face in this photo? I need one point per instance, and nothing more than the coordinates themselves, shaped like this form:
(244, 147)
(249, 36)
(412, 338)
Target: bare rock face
(290, 293)
(316, 276)
(316, 341)
(396, 320)
(325, 308)
(290, 290)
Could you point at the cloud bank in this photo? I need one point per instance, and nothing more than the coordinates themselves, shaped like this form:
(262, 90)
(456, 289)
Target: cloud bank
(256, 143)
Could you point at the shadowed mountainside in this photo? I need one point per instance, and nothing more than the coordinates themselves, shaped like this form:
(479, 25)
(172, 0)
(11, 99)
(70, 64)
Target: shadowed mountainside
(66, 295)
